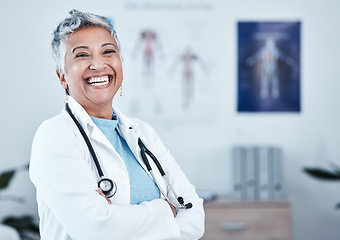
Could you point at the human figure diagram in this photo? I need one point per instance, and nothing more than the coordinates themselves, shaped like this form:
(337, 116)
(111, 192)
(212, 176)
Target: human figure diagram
(148, 43)
(188, 60)
(269, 56)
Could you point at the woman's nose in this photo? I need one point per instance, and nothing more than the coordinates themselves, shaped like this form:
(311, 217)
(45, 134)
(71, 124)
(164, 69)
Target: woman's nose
(97, 64)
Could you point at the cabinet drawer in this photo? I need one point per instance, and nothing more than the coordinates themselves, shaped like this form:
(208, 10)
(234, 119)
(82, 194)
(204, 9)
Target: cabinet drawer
(247, 221)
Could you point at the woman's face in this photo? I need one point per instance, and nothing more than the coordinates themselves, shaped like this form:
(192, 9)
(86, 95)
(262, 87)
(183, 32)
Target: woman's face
(93, 68)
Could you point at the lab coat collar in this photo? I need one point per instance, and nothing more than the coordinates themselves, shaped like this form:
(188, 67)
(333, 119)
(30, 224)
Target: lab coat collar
(85, 120)
(125, 126)
(123, 119)
(80, 113)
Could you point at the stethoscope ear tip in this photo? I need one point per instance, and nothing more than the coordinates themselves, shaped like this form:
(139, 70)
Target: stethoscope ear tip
(188, 205)
(181, 201)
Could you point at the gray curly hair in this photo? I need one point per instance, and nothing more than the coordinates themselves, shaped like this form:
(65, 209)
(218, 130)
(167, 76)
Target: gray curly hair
(76, 21)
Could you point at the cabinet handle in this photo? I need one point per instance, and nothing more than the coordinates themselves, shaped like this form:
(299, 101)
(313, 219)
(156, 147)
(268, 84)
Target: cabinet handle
(233, 226)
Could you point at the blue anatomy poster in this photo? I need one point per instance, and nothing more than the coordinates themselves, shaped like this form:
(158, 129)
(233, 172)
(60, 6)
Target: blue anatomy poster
(269, 67)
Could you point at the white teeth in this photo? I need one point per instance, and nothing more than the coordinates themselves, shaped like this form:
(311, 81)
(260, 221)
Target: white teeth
(98, 81)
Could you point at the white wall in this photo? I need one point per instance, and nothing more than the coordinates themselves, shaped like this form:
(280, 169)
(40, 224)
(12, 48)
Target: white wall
(31, 93)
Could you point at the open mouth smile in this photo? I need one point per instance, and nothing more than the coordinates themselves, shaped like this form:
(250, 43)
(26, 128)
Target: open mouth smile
(99, 81)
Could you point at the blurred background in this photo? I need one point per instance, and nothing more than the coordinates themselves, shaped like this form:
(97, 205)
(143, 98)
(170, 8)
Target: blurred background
(200, 122)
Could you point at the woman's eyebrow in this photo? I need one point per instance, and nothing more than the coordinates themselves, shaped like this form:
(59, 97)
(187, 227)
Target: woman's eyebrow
(85, 47)
(79, 47)
(105, 44)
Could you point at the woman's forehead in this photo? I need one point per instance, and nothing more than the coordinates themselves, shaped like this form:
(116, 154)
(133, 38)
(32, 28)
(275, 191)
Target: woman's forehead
(90, 36)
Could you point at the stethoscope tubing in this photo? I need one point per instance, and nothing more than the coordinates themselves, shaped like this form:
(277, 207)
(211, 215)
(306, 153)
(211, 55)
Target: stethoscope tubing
(144, 151)
(88, 143)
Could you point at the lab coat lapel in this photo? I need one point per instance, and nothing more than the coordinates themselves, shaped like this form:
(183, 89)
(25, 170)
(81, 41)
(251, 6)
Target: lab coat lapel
(89, 126)
(129, 130)
(131, 135)
(98, 136)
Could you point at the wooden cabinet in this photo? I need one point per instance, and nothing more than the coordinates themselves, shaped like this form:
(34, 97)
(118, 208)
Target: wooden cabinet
(247, 220)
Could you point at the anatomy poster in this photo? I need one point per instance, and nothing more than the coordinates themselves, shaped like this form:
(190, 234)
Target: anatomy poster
(269, 67)
(168, 70)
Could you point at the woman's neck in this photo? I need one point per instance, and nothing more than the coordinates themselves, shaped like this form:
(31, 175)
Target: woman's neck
(100, 112)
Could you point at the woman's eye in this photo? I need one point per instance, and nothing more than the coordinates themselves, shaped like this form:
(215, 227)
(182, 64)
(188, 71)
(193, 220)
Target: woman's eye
(109, 51)
(82, 55)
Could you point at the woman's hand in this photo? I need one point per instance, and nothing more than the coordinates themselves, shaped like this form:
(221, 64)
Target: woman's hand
(102, 194)
(173, 209)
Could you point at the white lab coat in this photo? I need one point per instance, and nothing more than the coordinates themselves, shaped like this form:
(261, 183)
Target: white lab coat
(66, 180)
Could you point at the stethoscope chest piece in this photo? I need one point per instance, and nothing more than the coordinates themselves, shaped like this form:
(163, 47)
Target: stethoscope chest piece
(108, 187)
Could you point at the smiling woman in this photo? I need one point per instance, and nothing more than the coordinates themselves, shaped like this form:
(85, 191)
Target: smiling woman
(93, 70)
(90, 164)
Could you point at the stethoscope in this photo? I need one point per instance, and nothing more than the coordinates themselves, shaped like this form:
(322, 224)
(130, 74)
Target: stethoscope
(109, 187)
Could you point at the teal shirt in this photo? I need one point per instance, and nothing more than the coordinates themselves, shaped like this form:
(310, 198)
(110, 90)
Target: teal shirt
(142, 187)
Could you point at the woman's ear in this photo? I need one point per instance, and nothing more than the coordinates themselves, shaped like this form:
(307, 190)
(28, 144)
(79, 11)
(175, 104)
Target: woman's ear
(62, 80)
